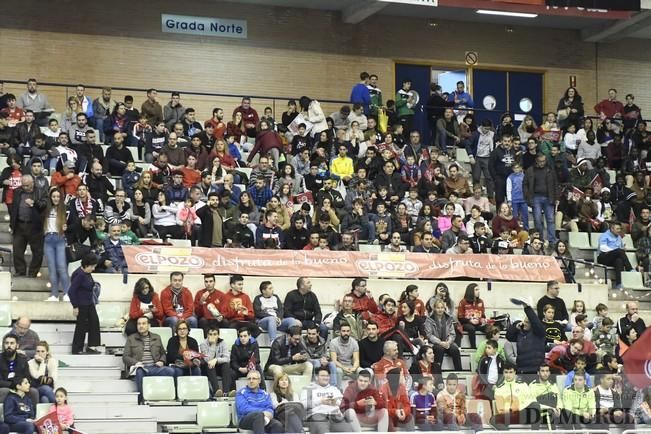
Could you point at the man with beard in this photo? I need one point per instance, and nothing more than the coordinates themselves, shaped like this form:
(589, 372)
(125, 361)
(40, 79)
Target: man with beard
(344, 352)
(83, 205)
(13, 364)
(641, 225)
(217, 121)
(297, 236)
(99, 186)
(37, 102)
(118, 155)
(211, 234)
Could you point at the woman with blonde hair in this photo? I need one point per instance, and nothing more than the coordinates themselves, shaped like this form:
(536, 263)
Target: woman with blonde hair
(287, 408)
(527, 128)
(54, 245)
(44, 370)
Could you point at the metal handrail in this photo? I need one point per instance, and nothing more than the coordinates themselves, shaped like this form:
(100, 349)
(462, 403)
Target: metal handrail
(584, 262)
(184, 92)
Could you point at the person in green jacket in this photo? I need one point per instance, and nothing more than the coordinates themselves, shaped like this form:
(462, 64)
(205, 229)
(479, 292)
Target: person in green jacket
(492, 333)
(547, 395)
(579, 404)
(513, 402)
(405, 105)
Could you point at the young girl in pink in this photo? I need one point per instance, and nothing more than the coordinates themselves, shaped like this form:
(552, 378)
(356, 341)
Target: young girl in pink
(64, 412)
(186, 217)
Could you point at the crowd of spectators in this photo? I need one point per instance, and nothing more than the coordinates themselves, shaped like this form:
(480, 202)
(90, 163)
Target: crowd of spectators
(386, 355)
(309, 181)
(306, 180)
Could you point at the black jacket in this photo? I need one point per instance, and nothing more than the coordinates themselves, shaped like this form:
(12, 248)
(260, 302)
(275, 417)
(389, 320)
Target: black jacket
(371, 352)
(241, 354)
(296, 239)
(100, 188)
(37, 210)
(282, 352)
(484, 364)
(530, 343)
(26, 134)
(20, 370)
(302, 307)
(530, 180)
(173, 346)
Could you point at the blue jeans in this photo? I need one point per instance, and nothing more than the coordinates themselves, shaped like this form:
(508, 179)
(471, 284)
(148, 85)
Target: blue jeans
(172, 320)
(54, 247)
(269, 325)
(331, 367)
(193, 371)
(154, 371)
(23, 428)
(520, 209)
(46, 394)
(543, 204)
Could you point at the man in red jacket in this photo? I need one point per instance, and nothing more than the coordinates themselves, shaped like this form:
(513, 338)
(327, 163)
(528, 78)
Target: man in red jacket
(177, 302)
(207, 302)
(368, 405)
(250, 117)
(237, 308)
(363, 301)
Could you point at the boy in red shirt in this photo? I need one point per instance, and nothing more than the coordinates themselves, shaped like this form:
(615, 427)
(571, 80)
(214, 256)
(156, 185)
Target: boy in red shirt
(237, 308)
(207, 302)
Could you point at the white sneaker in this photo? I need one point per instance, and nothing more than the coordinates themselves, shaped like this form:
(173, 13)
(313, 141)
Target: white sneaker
(66, 298)
(52, 298)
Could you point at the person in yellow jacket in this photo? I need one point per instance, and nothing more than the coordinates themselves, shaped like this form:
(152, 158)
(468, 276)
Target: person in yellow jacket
(342, 166)
(579, 405)
(514, 403)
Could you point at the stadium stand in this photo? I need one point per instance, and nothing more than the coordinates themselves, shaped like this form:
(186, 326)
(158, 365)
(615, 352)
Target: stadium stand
(79, 186)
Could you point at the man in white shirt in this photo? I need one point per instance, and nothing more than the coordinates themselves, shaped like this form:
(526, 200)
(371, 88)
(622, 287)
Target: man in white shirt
(321, 402)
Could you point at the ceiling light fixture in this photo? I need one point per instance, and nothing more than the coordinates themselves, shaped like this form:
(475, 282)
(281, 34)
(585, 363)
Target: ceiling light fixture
(506, 14)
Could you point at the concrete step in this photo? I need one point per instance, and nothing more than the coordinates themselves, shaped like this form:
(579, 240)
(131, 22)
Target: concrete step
(25, 284)
(96, 373)
(122, 426)
(106, 386)
(125, 398)
(174, 414)
(113, 411)
(48, 311)
(91, 361)
(447, 364)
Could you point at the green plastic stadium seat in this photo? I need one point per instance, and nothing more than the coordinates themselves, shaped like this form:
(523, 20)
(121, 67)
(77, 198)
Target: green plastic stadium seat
(632, 258)
(5, 314)
(579, 240)
(264, 356)
(299, 382)
(594, 239)
(109, 314)
(632, 280)
(197, 334)
(462, 156)
(214, 414)
(191, 388)
(370, 248)
(158, 389)
(628, 241)
(165, 334)
(228, 336)
(42, 409)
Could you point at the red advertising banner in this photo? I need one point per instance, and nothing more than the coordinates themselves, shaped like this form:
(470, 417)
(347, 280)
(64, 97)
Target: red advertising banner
(154, 259)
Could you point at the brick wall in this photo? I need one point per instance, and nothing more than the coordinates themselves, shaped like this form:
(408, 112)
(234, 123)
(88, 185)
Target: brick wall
(289, 52)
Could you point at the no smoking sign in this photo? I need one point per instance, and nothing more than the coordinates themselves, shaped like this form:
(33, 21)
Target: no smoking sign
(472, 58)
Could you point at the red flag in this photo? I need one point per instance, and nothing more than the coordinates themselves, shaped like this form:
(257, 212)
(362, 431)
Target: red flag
(597, 184)
(637, 361)
(189, 356)
(49, 424)
(631, 218)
